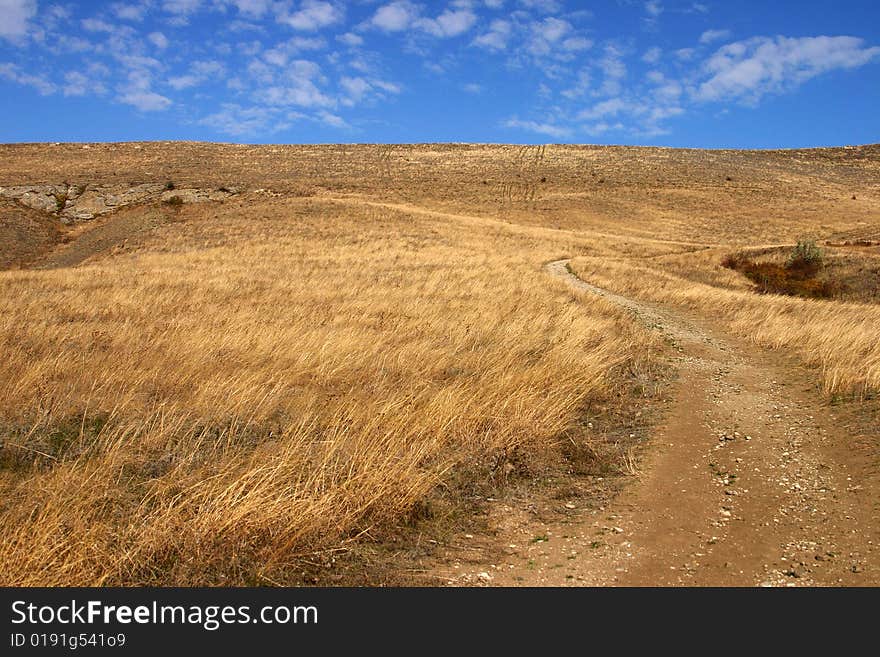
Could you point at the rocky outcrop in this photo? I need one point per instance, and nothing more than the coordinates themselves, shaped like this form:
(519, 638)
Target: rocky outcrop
(47, 198)
(72, 203)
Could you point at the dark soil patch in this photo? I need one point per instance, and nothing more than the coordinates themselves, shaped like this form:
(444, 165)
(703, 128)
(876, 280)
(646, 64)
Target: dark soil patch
(797, 277)
(25, 234)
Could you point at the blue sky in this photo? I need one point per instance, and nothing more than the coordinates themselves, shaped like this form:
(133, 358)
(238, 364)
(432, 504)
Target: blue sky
(708, 73)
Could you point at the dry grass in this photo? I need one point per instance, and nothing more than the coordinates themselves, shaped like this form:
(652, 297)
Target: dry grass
(220, 396)
(839, 338)
(245, 392)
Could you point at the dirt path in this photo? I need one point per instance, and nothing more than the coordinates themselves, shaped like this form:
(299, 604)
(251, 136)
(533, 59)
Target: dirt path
(500, 224)
(750, 480)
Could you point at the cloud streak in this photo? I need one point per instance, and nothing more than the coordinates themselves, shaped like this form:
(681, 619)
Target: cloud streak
(748, 70)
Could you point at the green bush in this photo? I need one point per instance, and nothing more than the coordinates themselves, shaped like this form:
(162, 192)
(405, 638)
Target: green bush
(796, 278)
(806, 257)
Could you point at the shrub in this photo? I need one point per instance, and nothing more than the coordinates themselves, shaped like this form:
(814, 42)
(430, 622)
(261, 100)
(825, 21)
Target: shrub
(806, 259)
(797, 278)
(175, 201)
(60, 201)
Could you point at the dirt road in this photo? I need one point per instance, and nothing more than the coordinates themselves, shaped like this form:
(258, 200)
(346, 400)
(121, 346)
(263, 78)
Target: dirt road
(750, 481)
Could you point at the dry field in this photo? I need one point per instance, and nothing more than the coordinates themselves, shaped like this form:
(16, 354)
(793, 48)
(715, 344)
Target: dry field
(360, 340)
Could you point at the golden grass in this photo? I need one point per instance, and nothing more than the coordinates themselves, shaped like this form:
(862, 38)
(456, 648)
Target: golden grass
(263, 382)
(842, 339)
(250, 389)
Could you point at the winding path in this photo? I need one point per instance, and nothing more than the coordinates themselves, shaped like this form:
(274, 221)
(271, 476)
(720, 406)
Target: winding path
(749, 481)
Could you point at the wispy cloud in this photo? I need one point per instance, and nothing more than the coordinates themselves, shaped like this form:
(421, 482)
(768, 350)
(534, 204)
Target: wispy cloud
(238, 121)
(395, 16)
(13, 73)
(450, 23)
(405, 16)
(129, 11)
(748, 70)
(496, 37)
(145, 101)
(313, 15)
(710, 36)
(549, 129)
(15, 16)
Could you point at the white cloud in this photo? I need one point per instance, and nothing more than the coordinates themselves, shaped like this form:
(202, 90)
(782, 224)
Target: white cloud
(545, 6)
(666, 90)
(580, 87)
(276, 57)
(548, 129)
(78, 84)
(449, 24)
(158, 39)
(184, 82)
(75, 84)
(610, 107)
(297, 86)
(333, 120)
(355, 88)
(685, 54)
(395, 16)
(260, 72)
(472, 88)
(146, 101)
(313, 15)
(14, 17)
(138, 63)
(97, 25)
(350, 39)
(747, 70)
(575, 44)
(280, 54)
(137, 90)
(402, 15)
(654, 8)
(236, 120)
(386, 86)
(12, 73)
(199, 73)
(714, 35)
(652, 56)
(497, 36)
(656, 114)
(614, 70)
(552, 29)
(598, 129)
(129, 12)
(546, 34)
(302, 93)
(254, 8)
(181, 7)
